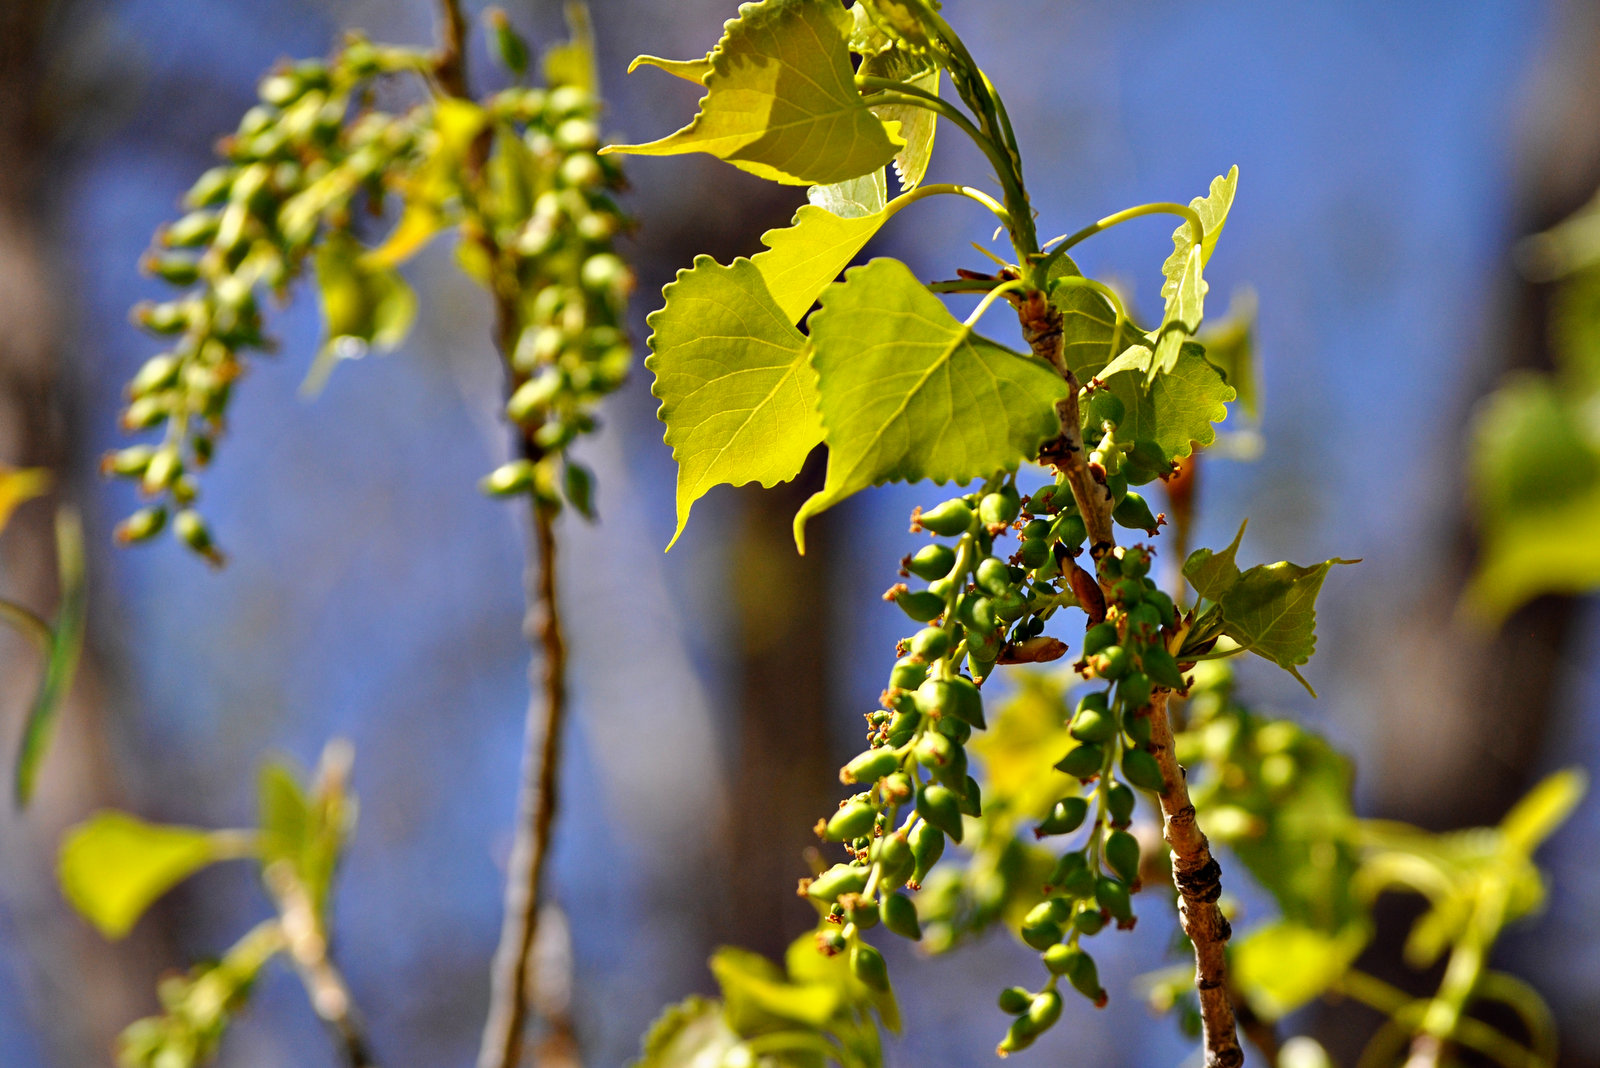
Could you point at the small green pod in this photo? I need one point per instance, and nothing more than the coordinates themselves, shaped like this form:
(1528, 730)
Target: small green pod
(837, 880)
(994, 576)
(1034, 553)
(957, 697)
(1014, 1000)
(1113, 662)
(863, 915)
(953, 729)
(1019, 1036)
(1119, 804)
(1133, 513)
(899, 914)
(867, 965)
(1093, 725)
(1045, 1010)
(1122, 854)
(1135, 561)
(1040, 929)
(908, 673)
(1035, 530)
(509, 479)
(1162, 602)
(1082, 762)
(1071, 531)
(929, 643)
(854, 820)
(1072, 877)
(1113, 897)
(1138, 728)
(1140, 769)
(869, 766)
(1161, 667)
(1099, 637)
(927, 846)
(939, 806)
(1134, 691)
(1001, 507)
(895, 861)
(948, 519)
(932, 561)
(971, 798)
(921, 605)
(1081, 972)
(192, 230)
(1065, 816)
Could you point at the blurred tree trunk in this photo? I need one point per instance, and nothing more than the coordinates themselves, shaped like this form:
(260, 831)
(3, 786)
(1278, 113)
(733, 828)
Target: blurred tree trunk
(786, 777)
(82, 990)
(1463, 717)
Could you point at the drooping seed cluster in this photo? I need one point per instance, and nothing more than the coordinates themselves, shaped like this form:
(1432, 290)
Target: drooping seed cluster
(982, 610)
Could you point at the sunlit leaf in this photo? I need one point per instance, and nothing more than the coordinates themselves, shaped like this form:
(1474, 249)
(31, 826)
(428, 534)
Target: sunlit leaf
(1285, 965)
(114, 866)
(853, 197)
(804, 258)
(781, 100)
(19, 484)
(690, 1034)
(756, 990)
(917, 124)
(363, 307)
(1184, 288)
(690, 70)
(1543, 809)
(737, 394)
(1230, 348)
(1178, 409)
(61, 660)
(910, 392)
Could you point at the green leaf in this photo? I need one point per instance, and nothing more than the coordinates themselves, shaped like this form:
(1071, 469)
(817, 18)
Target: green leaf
(690, 70)
(737, 395)
(1536, 479)
(1031, 720)
(1089, 333)
(757, 993)
(61, 660)
(363, 307)
(781, 100)
(909, 392)
(804, 258)
(1271, 609)
(853, 197)
(305, 830)
(1285, 965)
(805, 964)
(690, 1034)
(1575, 329)
(573, 63)
(114, 866)
(1184, 289)
(1177, 410)
(1230, 348)
(917, 124)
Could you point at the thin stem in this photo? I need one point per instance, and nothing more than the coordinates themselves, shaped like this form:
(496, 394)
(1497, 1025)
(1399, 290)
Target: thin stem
(1197, 228)
(30, 625)
(989, 298)
(940, 188)
(306, 941)
(450, 63)
(888, 91)
(1445, 1014)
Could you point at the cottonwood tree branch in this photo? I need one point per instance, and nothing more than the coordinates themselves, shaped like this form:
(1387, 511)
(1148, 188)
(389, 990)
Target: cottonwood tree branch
(1194, 870)
(307, 944)
(450, 63)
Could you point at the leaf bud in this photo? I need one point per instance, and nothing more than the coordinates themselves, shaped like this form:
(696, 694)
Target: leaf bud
(932, 561)
(947, 519)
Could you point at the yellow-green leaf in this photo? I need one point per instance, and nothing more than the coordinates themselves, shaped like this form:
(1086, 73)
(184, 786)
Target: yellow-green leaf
(61, 658)
(781, 100)
(1184, 286)
(803, 258)
(690, 70)
(910, 392)
(363, 307)
(1284, 965)
(19, 484)
(1543, 809)
(114, 866)
(737, 395)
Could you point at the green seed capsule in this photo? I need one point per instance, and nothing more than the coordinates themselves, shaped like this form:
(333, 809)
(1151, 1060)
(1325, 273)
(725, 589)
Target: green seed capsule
(867, 965)
(192, 531)
(195, 228)
(1089, 921)
(1081, 972)
(1161, 667)
(534, 396)
(127, 463)
(1034, 554)
(932, 561)
(1036, 530)
(1138, 728)
(1014, 1000)
(895, 862)
(1140, 769)
(1119, 804)
(509, 480)
(956, 697)
(953, 729)
(1162, 603)
(162, 471)
(1083, 762)
(1072, 877)
(1122, 854)
(1065, 816)
(939, 806)
(863, 915)
(1134, 690)
(1113, 662)
(903, 726)
(1093, 725)
(921, 605)
(142, 525)
(210, 188)
(929, 643)
(1133, 513)
(908, 673)
(1000, 508)
(1045, 1010)
(869, 766)
(897, 788)
(994, 576)
(606, 273)
(971, 798)
(1113, 897)
(1145, 619)
(852, 821)
(927, 846)
(1098, 638)
(1126, 592)
(976, 613)
(1071, 531)
(1040, 929)
(948, 519)
(1105, 407)
(899, 914)
(1019, 1036)
(1135, 561)
(1010, 607)
(837, 880)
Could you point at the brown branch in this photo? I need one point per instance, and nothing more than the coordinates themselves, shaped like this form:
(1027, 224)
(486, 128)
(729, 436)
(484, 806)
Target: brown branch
(1199, 881)
(1197, 875)
(306, 941)
(450, 62)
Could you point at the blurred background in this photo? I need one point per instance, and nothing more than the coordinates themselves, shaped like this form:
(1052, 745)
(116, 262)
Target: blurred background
(1390, 157)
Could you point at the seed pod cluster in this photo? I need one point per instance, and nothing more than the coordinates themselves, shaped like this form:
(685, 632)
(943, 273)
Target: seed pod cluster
(290, 174)
(549, 221)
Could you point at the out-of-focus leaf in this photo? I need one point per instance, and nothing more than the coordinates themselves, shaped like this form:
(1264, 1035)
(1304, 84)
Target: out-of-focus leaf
(114, 866)
(1543, 809)
(806, 965)
(690, 1034)
(1231, 348)
(737, 394)
(781, 100)
(756, 992)
(573, 63)
(61, 661)
(1029, 721)
(363, 307)
(1285, 965)
(908, 391)
(19, 484)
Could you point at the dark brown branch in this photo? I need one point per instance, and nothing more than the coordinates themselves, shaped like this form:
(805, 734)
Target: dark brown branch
(1196, 873)
(450, 64)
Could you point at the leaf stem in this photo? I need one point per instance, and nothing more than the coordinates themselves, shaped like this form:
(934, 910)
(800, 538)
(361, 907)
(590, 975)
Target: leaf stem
(28, 624)
(989, 298)
(1197, 228)
(939, 188)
